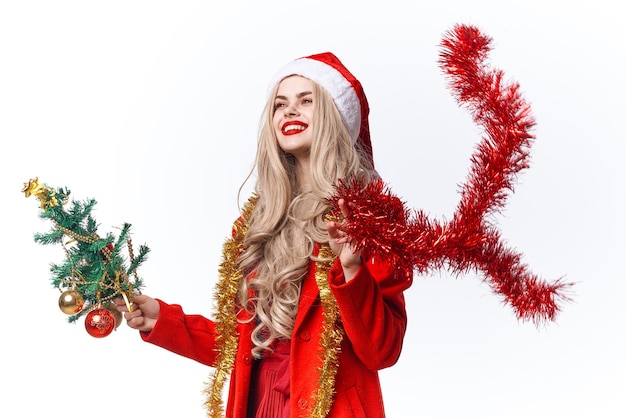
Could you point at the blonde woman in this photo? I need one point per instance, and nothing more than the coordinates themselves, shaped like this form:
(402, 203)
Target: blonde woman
(303, 321)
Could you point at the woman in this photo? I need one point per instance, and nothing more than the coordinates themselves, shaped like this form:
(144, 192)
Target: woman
(304, 321)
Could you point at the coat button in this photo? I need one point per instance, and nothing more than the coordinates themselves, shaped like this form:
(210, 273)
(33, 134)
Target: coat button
(247, 359)
(303, 403)
(305, 335)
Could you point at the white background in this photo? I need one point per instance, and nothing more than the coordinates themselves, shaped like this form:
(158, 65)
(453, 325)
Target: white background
(152, 108)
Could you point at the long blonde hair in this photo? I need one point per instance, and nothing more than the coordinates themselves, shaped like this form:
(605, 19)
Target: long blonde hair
(286, 222)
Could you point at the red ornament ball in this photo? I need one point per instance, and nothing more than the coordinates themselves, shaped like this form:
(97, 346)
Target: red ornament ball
(99, 323)
(106, 252)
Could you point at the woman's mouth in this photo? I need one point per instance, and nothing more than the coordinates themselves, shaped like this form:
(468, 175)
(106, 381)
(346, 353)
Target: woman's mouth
(293, 128)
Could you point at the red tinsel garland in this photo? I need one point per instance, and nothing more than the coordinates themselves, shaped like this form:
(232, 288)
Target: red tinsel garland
(380, 224)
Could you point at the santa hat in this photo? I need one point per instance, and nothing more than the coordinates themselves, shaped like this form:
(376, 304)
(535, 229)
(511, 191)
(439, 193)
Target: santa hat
(346, 91)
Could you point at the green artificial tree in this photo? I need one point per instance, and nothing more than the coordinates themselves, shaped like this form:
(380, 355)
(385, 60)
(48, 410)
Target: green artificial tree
(95, 271)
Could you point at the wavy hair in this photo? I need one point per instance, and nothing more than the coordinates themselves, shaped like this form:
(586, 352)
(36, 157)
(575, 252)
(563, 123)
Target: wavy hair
(287, 222)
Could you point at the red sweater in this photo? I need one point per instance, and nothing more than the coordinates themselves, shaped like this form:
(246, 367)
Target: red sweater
(374, 318)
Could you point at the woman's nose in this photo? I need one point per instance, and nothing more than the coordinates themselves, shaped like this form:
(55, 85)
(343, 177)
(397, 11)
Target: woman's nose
(291, 110)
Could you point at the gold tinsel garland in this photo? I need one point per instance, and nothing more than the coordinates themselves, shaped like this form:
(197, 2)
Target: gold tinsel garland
(330, 340)
(225, 319)
(226, 323)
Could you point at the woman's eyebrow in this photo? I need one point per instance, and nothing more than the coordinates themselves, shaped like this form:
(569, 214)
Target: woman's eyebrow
(299, 95)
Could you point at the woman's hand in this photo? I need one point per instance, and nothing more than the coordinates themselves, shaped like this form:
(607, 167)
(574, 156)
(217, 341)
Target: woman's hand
(144, 312)
(341, 246)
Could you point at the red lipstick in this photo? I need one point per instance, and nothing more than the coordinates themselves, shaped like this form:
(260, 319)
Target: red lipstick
(293, 127)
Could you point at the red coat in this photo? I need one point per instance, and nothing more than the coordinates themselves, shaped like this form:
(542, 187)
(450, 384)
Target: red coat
(374, 318)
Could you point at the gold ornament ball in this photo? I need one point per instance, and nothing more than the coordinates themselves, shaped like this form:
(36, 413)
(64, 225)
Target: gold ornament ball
(117, 315)
(71, 302)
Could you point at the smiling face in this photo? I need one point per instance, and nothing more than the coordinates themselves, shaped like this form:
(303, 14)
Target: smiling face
(293, 116)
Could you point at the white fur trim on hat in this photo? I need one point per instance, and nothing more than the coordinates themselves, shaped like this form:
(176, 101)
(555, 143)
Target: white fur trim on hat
(340, 89)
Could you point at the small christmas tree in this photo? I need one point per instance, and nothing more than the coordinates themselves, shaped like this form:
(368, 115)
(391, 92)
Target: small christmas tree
(94, 271)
